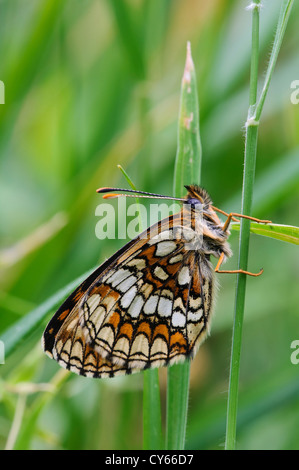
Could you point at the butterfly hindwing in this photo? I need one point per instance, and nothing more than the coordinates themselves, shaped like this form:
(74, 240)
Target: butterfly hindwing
(147, 306)
(137, 314)
(73, 352)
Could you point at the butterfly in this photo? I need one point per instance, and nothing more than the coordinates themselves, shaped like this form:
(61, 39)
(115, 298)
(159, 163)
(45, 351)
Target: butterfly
(150, 304)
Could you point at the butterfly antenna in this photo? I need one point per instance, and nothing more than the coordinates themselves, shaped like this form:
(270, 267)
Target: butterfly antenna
(140, 193)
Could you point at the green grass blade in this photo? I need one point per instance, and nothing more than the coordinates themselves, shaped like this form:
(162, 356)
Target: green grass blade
(188, 158)
(129, 37)
(177, 405)
(285, 233)
(22, 329)
(32, 415)
(133, 187)
(285, 12)
(248, 182)
(152, 422)
(187, 170)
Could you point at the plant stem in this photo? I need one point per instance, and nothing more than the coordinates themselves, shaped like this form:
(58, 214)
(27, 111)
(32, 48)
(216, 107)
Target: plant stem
(285, 12)
(177, 405)
(152, 423)
(250, 152)
(187, 170)
(252, 123)
(248, 181)
(17, 422)
(254, 53)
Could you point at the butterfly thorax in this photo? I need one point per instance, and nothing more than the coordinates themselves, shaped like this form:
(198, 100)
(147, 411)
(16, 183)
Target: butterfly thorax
(206, 223)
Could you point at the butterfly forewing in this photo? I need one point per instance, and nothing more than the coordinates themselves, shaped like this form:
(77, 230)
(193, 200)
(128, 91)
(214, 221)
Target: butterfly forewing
(147, 306)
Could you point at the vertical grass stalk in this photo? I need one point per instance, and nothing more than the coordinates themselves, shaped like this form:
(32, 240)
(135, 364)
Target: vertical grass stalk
(187, 171)
(152, 423)
(248, 182)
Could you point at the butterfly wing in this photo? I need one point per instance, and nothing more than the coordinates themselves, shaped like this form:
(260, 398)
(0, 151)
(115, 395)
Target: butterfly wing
(147, 306)
(73, 352)
(63, 338)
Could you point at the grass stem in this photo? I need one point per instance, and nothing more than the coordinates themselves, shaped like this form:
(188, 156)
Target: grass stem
(252, 124)
(152, 424)
(187, 170)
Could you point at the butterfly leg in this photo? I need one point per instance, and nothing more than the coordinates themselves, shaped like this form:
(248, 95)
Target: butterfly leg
(234, 271)
(234, 214)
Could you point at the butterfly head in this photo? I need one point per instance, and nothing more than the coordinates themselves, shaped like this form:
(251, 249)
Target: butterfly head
(199, 199)
(198, 195)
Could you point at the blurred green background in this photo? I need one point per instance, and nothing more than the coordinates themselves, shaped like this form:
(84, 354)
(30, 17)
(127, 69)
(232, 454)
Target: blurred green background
(90, 84)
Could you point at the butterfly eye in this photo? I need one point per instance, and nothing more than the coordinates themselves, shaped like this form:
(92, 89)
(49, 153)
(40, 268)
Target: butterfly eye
(194, 202)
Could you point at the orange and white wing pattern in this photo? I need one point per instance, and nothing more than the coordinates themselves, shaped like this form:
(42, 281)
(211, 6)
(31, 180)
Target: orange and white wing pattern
(147, 306)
